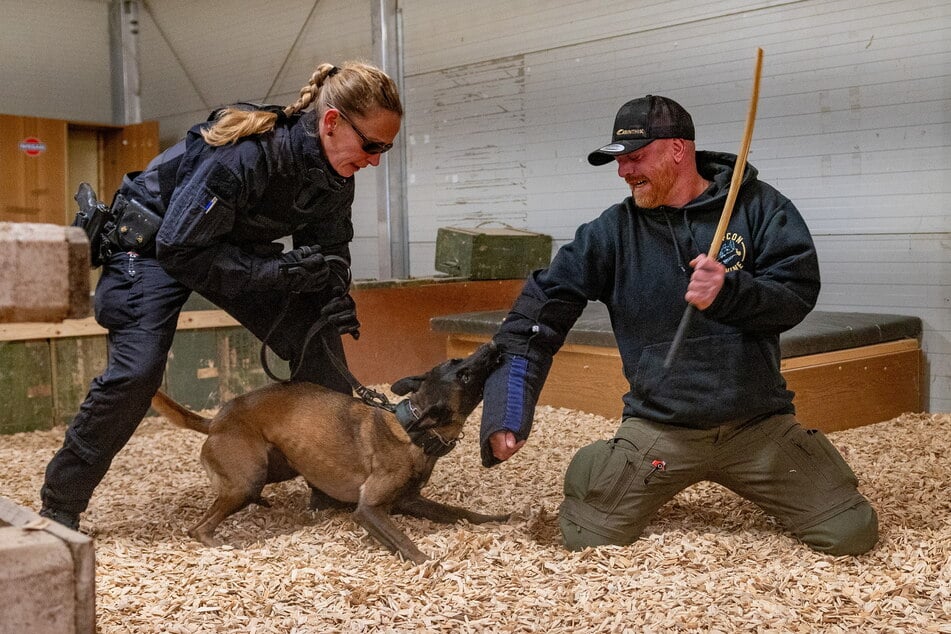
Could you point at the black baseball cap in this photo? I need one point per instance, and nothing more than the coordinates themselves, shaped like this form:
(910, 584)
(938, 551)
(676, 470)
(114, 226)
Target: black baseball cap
(641, 121)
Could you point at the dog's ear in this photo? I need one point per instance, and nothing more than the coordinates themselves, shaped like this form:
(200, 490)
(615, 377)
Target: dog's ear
(407, 384)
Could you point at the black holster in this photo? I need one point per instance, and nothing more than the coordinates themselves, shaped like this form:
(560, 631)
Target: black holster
(135, 226)
(125, 226)
(93, 217)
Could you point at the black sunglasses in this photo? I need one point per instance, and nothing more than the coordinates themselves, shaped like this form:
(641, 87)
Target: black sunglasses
(370, 147)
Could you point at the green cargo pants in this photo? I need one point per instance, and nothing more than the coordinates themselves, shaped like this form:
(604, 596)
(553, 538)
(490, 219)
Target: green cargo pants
(614, 487)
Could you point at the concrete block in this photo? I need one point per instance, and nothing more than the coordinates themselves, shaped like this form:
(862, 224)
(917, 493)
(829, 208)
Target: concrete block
(47, 575)
(44, 272)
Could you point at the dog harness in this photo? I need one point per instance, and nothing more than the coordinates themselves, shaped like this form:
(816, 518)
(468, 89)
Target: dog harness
(428, 439)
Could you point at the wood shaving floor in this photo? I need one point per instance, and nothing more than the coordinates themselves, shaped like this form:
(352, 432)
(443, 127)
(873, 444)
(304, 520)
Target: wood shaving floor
(710, 562)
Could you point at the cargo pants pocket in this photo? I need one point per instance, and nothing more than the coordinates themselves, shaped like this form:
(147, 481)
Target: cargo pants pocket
(606, 501)
(815, 455)
(600, 473)
(807, 480)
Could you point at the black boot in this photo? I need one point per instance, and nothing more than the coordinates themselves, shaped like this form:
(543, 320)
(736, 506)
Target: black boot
(67, 519)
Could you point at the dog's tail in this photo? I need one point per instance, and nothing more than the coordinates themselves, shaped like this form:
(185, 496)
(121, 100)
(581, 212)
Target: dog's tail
(178, 415)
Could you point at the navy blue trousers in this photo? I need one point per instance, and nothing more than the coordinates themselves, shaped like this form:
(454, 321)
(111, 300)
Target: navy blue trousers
(139, 303)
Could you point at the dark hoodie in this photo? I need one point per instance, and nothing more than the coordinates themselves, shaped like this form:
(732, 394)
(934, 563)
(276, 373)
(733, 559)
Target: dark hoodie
(635, 261)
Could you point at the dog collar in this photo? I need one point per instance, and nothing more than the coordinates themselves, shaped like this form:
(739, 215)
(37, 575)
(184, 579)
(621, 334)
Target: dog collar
(428, 440)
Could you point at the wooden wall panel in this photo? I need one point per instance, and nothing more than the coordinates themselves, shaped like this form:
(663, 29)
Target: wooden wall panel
(83, 164)
(126, 149)
(396, 339)
(840, 395)
(192, 373)
(214, 359)
(32, 174)
(39, 178)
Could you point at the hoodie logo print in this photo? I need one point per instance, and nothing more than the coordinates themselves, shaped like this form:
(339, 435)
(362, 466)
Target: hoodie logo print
(732, 253)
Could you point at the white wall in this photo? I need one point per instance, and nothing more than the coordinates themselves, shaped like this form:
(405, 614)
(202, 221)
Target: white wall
(505, 98)
(54, 60)
(854, 124)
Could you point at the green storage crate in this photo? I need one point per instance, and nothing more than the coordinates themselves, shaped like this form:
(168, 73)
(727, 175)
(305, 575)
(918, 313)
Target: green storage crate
(75, 362)
(26, 382)
(491, 253)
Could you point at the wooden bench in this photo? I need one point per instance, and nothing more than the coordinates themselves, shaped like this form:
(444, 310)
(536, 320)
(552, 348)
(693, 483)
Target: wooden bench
(847, 369)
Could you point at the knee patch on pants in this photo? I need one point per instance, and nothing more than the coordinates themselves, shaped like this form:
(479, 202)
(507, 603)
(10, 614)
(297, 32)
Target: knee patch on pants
(852, 532)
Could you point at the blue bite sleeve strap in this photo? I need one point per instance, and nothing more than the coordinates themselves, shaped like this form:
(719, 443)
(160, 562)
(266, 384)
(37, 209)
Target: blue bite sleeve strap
(511, 393)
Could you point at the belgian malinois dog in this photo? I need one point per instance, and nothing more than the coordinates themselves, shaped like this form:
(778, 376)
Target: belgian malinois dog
(349, 452)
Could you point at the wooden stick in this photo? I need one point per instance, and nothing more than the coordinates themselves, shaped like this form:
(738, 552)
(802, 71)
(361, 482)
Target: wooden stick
(740, 166)
(738, 169)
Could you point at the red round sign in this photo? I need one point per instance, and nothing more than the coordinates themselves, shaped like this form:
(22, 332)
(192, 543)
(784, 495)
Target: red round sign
(32, 146)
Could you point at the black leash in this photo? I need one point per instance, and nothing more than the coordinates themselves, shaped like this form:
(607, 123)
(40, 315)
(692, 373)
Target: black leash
(368, 396)
(408, 415)
(267, 337)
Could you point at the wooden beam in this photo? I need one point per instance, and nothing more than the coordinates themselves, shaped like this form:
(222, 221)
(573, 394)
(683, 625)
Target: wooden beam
(849, 354)
(187, 320)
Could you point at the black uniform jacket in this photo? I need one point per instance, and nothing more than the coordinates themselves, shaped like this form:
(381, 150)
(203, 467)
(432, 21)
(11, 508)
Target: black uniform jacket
(224, 206)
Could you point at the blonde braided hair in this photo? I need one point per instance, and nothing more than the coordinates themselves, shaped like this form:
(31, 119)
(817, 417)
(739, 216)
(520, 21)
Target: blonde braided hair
(355, 87)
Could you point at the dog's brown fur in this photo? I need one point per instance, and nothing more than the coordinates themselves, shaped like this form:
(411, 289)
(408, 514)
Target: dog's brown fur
(348, 451)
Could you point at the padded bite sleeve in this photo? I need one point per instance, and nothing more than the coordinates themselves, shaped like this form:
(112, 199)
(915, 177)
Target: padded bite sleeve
(510, 396)
(529, 337)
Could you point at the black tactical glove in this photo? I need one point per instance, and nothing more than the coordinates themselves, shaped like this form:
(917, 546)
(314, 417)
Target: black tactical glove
(304, 269)
(341, 313)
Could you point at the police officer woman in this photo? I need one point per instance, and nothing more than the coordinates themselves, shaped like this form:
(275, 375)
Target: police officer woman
(248, 176)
